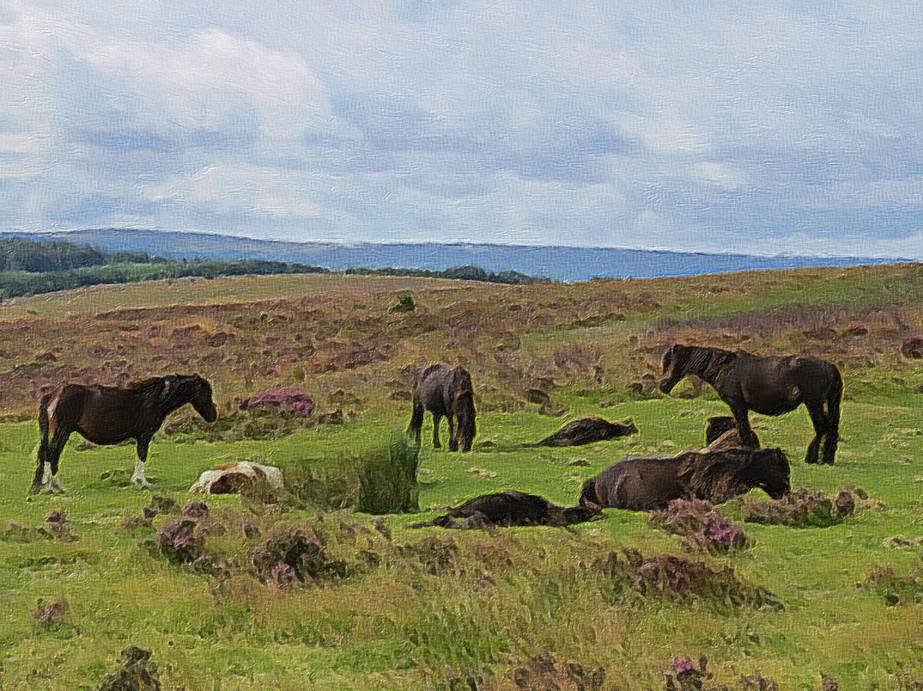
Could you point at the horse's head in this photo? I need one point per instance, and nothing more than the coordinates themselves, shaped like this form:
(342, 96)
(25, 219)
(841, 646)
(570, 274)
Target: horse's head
(202, 399)
(463, 407)
(579, 514)
(674, 364)
(773, 473)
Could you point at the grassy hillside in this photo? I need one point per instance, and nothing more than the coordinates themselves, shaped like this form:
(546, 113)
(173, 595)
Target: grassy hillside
(460, 609)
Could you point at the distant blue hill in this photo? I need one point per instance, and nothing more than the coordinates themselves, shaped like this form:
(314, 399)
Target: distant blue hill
(560, 263)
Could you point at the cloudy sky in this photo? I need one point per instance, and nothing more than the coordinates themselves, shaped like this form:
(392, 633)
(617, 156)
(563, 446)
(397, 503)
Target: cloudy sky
(767, 127)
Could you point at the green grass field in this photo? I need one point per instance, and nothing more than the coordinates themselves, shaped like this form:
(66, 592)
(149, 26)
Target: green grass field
(503, 598)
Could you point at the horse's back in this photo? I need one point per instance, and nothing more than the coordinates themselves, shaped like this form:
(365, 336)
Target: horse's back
(639, 484)
(778, 384)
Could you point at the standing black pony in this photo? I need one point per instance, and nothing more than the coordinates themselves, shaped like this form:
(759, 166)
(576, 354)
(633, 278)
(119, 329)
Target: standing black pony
(109, 415)
(445, 391)
(767, 385)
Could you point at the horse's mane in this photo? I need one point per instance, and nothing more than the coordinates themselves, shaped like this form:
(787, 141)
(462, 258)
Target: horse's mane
(147, 385)
(720, 476)
(706, 360)
(154, 385)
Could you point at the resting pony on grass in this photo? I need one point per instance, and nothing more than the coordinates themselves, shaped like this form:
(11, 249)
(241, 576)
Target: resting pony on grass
(509, 508)
(444, 391)
(646, 484)
(767, 385)
(108, 415)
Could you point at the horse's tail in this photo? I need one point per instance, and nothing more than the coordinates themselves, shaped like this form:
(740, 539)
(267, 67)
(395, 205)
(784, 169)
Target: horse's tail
(41, 452)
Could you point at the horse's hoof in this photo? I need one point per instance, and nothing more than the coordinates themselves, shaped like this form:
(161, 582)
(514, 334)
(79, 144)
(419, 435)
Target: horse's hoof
(142, 484)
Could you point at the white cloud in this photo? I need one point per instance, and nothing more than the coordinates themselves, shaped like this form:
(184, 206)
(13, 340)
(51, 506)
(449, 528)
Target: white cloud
(240, 189)
(720, 174)
(201, 82)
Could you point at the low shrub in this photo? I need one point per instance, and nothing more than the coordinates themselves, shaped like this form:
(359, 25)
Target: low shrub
(137, 672)
(545, 672)
(895, 589)
(702, 528)
(179, 541)
(675, 579)
(50, 614)
(802, 508)
(686, 675)
(57, 527)
(295, 553)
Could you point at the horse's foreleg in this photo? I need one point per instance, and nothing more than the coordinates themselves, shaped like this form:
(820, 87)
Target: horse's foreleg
(742, 418)
(819, 420)
(436, 420)
(137, 478)
(453, 434)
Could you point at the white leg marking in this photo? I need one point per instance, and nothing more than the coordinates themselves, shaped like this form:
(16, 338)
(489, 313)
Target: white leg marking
(46, 474)
(137, 477)
(55, 487)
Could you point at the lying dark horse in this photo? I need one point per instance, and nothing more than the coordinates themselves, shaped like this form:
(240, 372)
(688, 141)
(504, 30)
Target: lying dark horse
(510, 508)
(108, 415)
(587, 431)
(767, 385)
(445, 391)
(643, 484)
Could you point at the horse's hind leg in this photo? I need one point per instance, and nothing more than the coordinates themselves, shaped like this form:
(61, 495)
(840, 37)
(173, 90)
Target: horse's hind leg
(436, 420)
(41, 453)
(41, 470)
(819, 420)
(137, 478)
(832, 435)
(453, 434)
(416, 420)
(53, 457)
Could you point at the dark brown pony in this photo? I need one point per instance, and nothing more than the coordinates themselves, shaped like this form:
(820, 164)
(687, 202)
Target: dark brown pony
(445, 392)
(645, 484)
(509, 508)
(767, 385)
(109, 415)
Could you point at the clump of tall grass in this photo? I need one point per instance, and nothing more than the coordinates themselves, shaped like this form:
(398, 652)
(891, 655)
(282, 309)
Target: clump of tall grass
(388, 477)
(380, 479)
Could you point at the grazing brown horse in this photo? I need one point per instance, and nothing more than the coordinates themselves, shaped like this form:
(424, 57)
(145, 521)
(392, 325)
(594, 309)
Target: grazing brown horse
(767, 385)
(445, 391)
(109, 415)
(644, 484)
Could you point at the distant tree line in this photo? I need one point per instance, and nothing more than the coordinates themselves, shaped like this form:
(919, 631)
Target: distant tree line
(28, 267)
(461, 273)
(20, 254)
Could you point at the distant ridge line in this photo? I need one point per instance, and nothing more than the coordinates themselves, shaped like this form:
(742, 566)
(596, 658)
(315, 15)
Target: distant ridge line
(561, 263)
